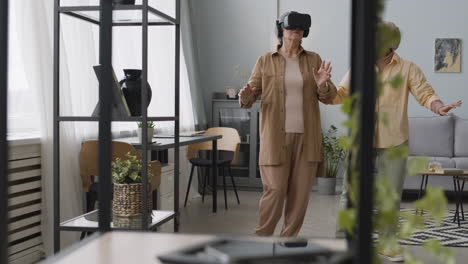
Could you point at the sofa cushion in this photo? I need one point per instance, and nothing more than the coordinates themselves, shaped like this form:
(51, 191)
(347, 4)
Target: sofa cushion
(461, 163)
(431, 136)
(461, 137)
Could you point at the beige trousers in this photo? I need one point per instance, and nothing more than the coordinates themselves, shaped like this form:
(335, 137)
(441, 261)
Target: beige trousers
(289, 182)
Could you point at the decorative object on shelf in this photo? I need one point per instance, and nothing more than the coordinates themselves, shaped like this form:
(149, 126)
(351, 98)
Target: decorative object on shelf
(123, 2)
(119, 106)
(150, 126)
(334, 154)
(447, 55)
(126, 175)
(232, 92)
(131, 88)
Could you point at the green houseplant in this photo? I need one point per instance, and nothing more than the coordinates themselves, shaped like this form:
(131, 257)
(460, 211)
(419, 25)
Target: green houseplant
(150, 127)
(126, 176)
(334, 155)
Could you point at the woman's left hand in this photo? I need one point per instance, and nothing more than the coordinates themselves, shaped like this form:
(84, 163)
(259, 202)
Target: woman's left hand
(323, 74)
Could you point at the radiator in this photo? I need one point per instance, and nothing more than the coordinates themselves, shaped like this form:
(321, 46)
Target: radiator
(24, 204)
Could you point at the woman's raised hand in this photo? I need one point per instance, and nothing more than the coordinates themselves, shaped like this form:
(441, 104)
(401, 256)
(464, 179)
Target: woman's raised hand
(246, 94)
(323, 74)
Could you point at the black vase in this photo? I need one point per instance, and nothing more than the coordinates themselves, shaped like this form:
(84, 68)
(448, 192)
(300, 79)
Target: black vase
(123, 2)
(131, 88)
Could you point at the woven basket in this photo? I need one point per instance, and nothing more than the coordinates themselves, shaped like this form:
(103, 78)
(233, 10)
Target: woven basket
(129, 222)
(127, 200)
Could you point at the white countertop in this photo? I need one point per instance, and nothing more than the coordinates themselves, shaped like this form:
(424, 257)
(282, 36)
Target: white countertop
(141, 248)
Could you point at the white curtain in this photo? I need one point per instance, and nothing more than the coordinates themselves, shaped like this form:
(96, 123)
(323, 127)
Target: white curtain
(191, 57)
(79, 89)
(35, 41)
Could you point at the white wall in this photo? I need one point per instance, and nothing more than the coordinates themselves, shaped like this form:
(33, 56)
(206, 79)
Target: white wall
(229, 33)
(236, 32)
(421, 22)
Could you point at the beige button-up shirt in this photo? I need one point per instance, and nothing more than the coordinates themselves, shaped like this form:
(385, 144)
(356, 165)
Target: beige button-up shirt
(268, 78)
(394, 102)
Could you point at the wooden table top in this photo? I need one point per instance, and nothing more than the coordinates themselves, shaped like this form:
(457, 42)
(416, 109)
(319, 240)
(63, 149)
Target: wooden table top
(433, 173)
(144, 247)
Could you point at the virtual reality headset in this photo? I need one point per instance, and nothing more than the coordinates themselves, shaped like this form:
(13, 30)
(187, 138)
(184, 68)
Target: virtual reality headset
(293, 20)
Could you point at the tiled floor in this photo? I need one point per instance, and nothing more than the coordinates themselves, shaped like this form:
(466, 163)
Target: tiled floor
(241, 219)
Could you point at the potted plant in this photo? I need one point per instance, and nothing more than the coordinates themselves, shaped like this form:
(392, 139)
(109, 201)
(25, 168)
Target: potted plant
(334, 154)
(150, 127)
(127, 200)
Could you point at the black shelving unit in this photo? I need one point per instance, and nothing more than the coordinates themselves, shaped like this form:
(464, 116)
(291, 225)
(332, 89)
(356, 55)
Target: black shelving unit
(3, 131)
(102, 16)
(363, 55)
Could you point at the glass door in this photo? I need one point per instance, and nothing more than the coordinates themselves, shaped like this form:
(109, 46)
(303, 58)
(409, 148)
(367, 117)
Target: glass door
(239, 119)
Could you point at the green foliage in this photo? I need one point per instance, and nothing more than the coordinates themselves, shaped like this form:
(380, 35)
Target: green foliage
(411, 222)
(149, 124)
(397, 152)
(384, 196)
(386, 37)
(379, 86)
(346, 219)
(410, 259)
(435, 203)
(383, 117)
(128, 171)
(334, 153)
(348, 103)
(397, 81)
(416, 165)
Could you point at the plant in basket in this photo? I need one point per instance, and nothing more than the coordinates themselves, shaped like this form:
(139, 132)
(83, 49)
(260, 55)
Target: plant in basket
(127, 179)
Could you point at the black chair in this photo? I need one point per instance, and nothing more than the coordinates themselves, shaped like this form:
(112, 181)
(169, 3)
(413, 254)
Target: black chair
(199, 155)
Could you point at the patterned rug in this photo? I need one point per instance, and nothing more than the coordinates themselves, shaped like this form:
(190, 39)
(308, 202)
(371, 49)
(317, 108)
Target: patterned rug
(448, 233)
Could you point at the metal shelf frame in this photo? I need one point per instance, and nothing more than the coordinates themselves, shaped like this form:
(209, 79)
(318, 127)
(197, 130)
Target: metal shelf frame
(75, 11)
(3, 131)
(69, 225)
(105, 23)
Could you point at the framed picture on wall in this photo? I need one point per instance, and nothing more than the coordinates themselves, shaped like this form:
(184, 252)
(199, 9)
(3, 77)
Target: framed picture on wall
(447, 57)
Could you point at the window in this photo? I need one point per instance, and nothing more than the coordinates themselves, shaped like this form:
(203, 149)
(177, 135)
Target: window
(23, 117)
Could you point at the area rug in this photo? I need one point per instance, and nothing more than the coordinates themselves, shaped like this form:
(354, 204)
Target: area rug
(448, 233)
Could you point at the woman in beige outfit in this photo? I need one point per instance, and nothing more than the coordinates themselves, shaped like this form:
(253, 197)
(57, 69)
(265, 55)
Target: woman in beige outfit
(290, 81)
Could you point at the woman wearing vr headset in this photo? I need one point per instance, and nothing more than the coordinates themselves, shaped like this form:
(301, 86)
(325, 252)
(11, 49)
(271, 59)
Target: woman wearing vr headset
(290, 81)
